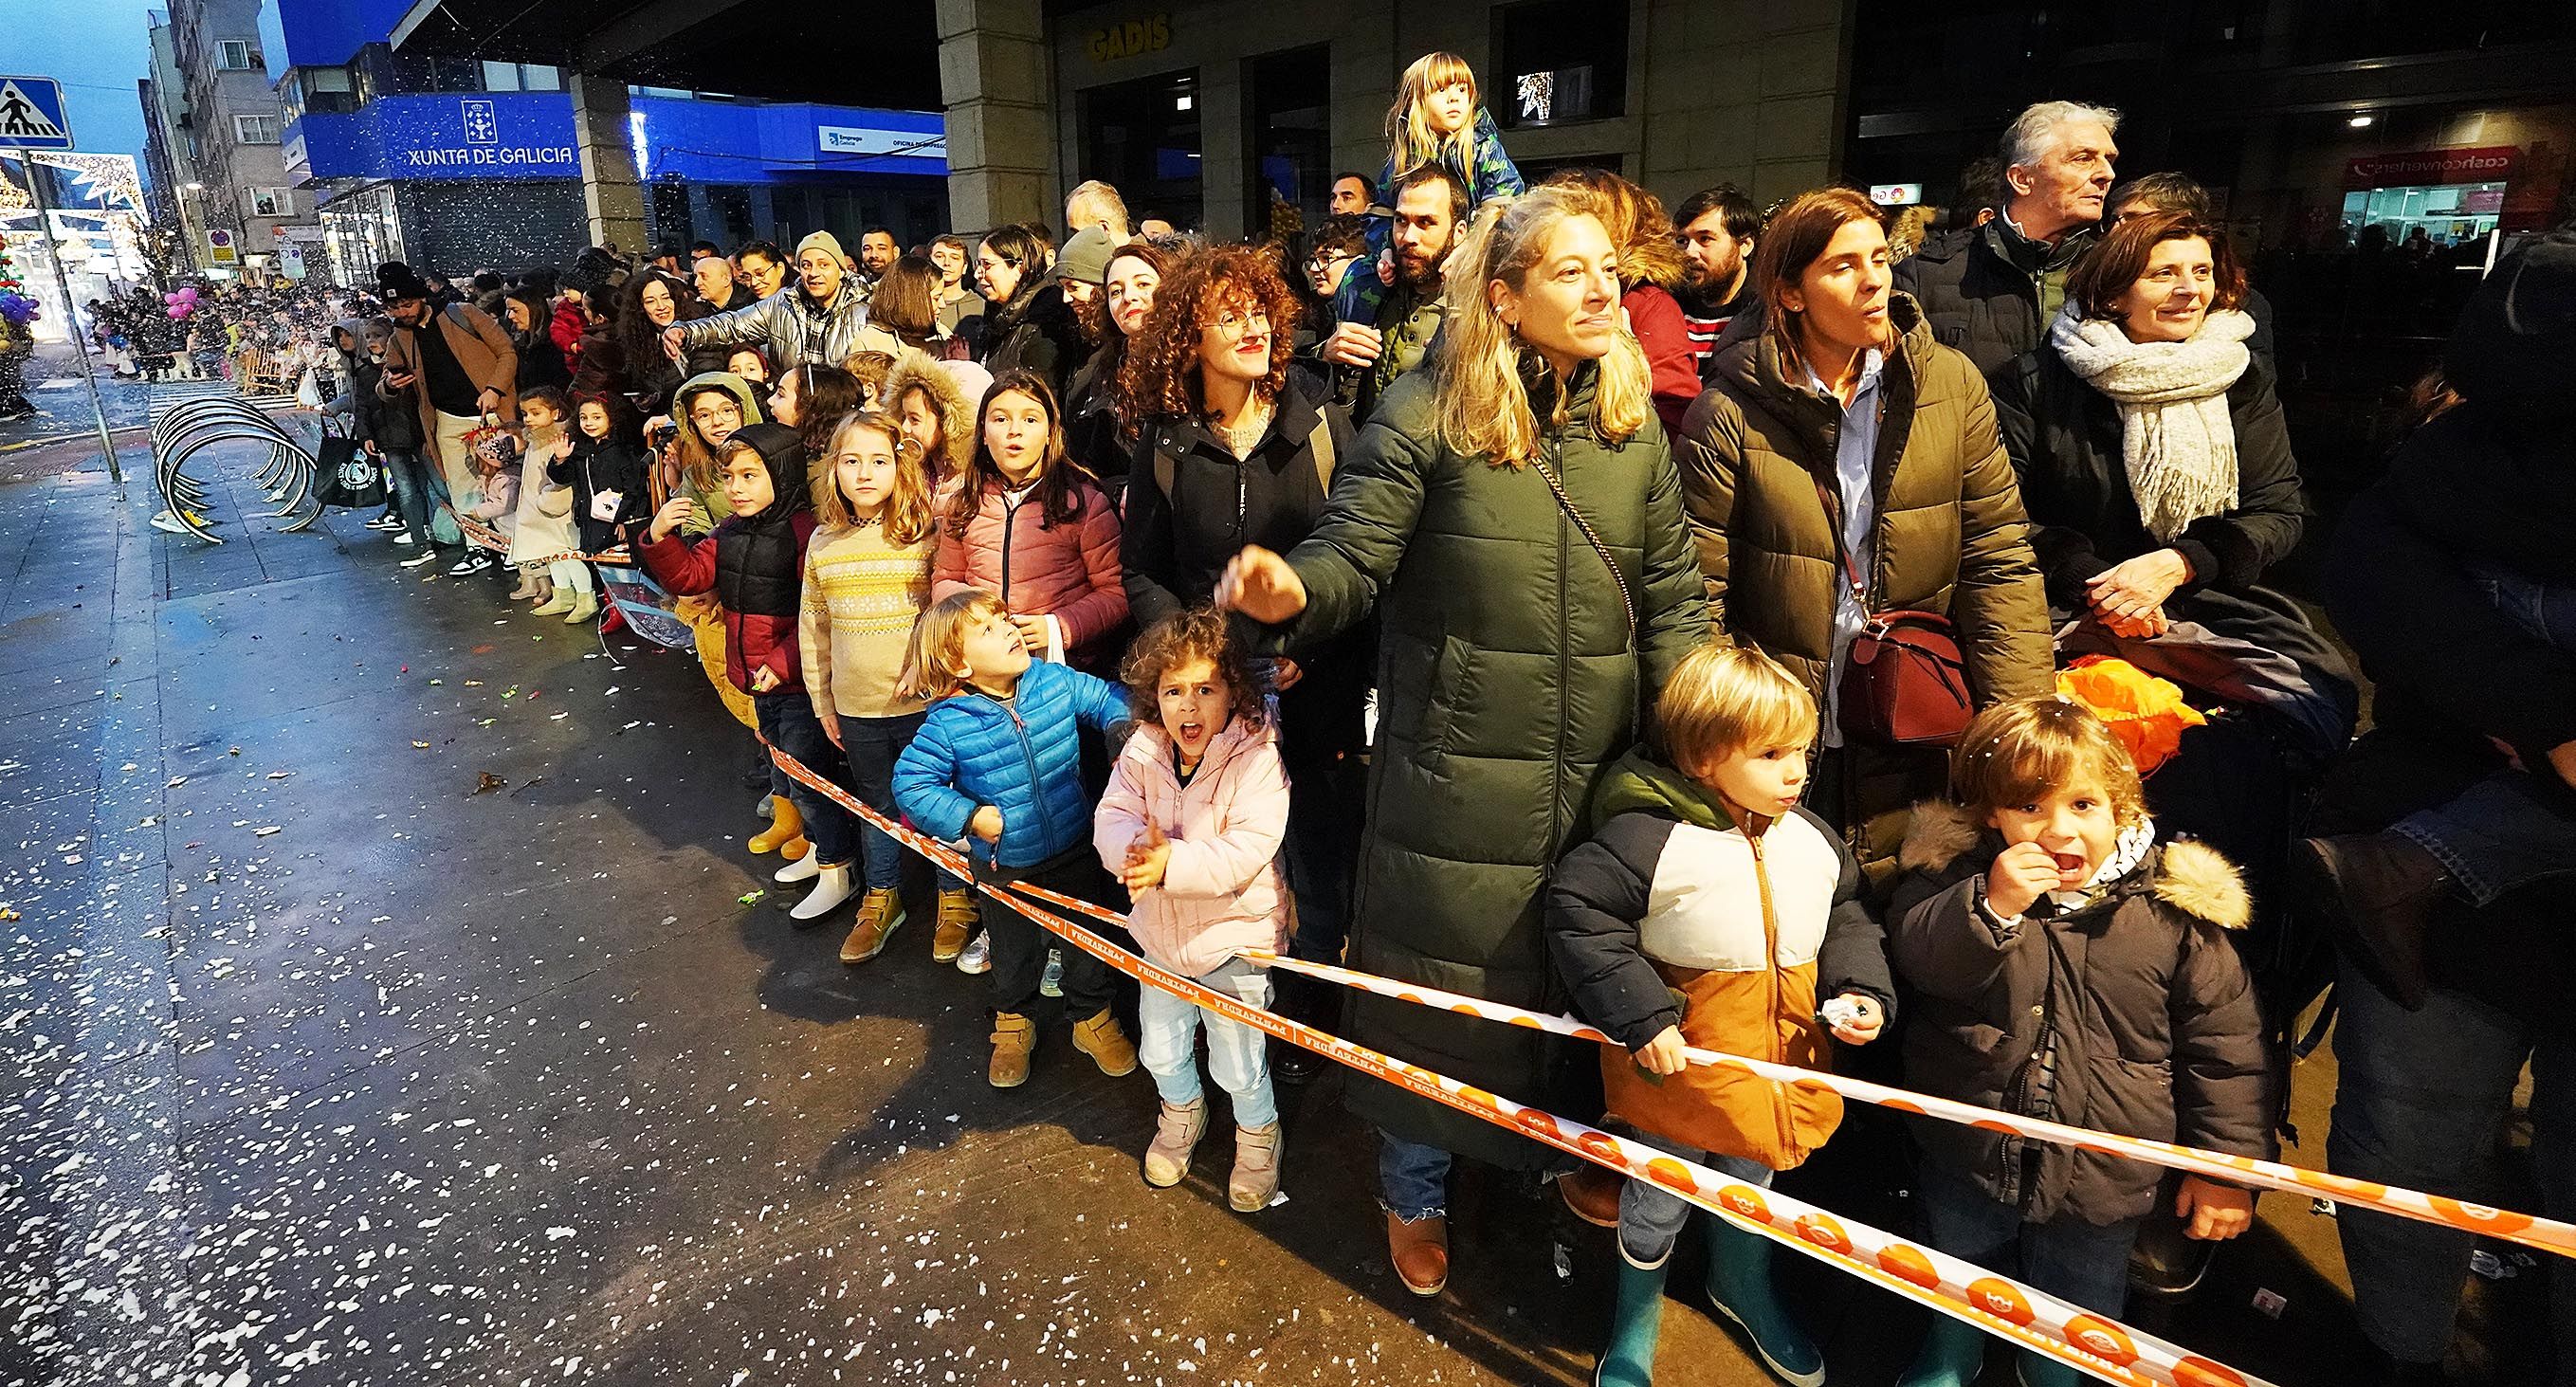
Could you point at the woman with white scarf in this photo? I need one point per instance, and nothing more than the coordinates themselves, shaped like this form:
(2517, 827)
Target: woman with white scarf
(2161, 488)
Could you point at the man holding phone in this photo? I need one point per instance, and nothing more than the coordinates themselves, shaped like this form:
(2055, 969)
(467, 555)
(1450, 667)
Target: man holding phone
(466, 372)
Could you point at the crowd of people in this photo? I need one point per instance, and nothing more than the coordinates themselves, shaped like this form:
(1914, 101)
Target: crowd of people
(1707, 619)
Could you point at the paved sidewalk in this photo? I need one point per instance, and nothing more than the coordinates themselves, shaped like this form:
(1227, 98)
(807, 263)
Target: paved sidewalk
(319, 1066)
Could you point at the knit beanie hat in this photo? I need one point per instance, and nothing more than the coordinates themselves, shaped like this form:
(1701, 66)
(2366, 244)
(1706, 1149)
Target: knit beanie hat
(1085, 257)
(2515, 348)
(829, 242)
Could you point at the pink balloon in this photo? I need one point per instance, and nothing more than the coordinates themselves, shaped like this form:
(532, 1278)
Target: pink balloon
(177, 313)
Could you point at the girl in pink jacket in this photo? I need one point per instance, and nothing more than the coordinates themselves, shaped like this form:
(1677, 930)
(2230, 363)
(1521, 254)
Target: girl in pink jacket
(1192, 822)
(1033, 528)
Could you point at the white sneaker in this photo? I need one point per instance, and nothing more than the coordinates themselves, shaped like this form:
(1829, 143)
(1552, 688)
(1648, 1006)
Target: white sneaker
(978, 955)
(384, 522)
(1051, 982)
(832, 885)
(403, 539)
(424, 556)
(802, 869)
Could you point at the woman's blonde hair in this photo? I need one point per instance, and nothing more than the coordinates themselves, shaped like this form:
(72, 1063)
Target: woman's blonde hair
(1481, 370)
(1409, 138)
(906, 515)
(1725, 698)
(1637, 222)
(937, 662)
(2023, 751)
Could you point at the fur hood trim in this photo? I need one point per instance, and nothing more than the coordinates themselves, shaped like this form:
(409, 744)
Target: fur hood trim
(2192, 877)
(2199, 881)
(956, 412)
(1938, 834)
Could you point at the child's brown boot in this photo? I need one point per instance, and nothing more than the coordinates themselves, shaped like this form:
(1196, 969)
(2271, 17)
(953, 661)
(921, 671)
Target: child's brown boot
(1107, 1045)
(957, 916)
(1014, 1037)
(878, 916)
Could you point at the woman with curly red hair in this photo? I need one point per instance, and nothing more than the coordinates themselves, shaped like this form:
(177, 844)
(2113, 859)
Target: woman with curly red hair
(1234, 449)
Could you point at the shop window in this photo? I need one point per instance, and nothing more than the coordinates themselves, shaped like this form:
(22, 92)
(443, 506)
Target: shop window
(1290, 127)
(500, 77)
(1557, 62)
(2432, 217)
(1142, 138)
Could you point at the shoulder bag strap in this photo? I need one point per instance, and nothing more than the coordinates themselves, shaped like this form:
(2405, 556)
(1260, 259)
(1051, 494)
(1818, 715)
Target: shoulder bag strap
(1320, 443)
(1834, 523)
(1627, 603)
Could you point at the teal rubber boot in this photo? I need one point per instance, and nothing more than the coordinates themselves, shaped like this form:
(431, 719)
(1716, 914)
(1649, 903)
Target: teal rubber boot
(1739, 1283)
(1953, 1354)
(2038, 1371)
(1636, 1322)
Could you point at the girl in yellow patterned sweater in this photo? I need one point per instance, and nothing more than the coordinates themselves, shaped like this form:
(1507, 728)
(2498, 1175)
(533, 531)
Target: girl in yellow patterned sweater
(867, 579)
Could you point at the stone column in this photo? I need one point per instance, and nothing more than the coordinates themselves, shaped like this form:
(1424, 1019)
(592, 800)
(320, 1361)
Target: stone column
(610, 191)
(995, 81)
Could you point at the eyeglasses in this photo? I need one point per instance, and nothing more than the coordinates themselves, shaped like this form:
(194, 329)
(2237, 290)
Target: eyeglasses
(1233, 324)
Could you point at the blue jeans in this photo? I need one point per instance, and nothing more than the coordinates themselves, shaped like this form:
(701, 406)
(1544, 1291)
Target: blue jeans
(2505, 832)
(1167, 1044)
(1412, 1179)
(2067, 1257)
(408, 476)
(872, 744)
(787, 720)
(2419, 1099)
(1651, 1218)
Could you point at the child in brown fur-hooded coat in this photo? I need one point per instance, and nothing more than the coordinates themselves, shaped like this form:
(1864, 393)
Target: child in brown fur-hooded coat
(2063, 965)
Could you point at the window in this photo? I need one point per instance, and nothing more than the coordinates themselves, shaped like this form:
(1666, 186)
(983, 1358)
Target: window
(254, 129)
(517, 77)
(1561, 61)
(272, 202)
(233, 55)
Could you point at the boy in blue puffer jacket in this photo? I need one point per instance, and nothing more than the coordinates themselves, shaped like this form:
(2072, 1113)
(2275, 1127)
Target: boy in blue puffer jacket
(999, 757)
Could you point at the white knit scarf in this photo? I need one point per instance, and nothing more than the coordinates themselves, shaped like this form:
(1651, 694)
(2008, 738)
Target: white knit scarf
(2175, 438)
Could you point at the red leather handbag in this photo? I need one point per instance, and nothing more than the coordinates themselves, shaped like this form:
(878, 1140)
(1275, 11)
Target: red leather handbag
(1904, 681)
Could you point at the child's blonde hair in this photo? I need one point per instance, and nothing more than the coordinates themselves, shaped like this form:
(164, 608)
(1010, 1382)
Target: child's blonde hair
(938, 658)
(1409, 136)
(906, 515)
(2021, 752)
(1200, 633)
(1725, 698)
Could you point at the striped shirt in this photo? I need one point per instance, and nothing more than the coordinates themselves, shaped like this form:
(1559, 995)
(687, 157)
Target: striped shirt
(1706, 324)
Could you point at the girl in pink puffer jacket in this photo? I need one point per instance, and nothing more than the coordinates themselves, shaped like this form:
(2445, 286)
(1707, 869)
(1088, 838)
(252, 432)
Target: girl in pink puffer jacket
(1034, 529)
(1193, 820)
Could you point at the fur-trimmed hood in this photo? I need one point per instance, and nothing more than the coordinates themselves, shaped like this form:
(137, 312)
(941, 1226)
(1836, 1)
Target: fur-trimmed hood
(956, 412)
(2190, 876)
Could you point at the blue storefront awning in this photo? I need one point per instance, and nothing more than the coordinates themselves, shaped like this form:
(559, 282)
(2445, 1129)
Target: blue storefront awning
(520, 135)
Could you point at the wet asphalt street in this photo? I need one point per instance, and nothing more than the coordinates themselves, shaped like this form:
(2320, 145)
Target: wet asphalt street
(318, 1066)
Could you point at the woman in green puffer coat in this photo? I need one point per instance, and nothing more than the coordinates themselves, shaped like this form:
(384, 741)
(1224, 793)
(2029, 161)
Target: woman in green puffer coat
(1520, 642)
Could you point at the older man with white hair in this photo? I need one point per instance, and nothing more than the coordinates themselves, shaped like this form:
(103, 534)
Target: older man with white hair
(1992, 293)
(1096, 204)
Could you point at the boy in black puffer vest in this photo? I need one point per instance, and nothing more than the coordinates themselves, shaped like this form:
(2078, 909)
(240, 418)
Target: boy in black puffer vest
(754, 563)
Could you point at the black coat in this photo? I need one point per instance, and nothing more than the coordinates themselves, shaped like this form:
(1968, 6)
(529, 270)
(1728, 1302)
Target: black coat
(595, 467)
(393, 425)
(1092, 435)
(2064, 438)
(1175, 543)
(1035, 331)
(1981, 290)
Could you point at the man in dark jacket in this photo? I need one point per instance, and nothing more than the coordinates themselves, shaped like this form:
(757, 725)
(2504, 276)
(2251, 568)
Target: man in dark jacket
(1430, 208)
(1991, 294)
(2451, 579)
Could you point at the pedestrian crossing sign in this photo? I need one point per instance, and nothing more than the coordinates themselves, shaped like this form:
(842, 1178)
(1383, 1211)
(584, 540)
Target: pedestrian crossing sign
(31, 114)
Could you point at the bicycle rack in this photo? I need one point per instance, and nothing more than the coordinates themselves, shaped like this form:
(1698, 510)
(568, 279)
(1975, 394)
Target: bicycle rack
(286, 477)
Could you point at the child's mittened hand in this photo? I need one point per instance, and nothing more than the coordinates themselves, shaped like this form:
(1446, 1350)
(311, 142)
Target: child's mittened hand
(2022, 874)
(1855, 1017)
(987, 824)
(2216, 1211)
(1664, 1055)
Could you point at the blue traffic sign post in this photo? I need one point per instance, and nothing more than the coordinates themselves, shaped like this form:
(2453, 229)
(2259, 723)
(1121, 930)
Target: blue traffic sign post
(32, 119)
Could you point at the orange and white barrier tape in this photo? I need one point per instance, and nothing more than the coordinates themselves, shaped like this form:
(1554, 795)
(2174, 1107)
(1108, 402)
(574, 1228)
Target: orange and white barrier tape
(490, 538)
(2528, 1230)
(2032, 1318)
